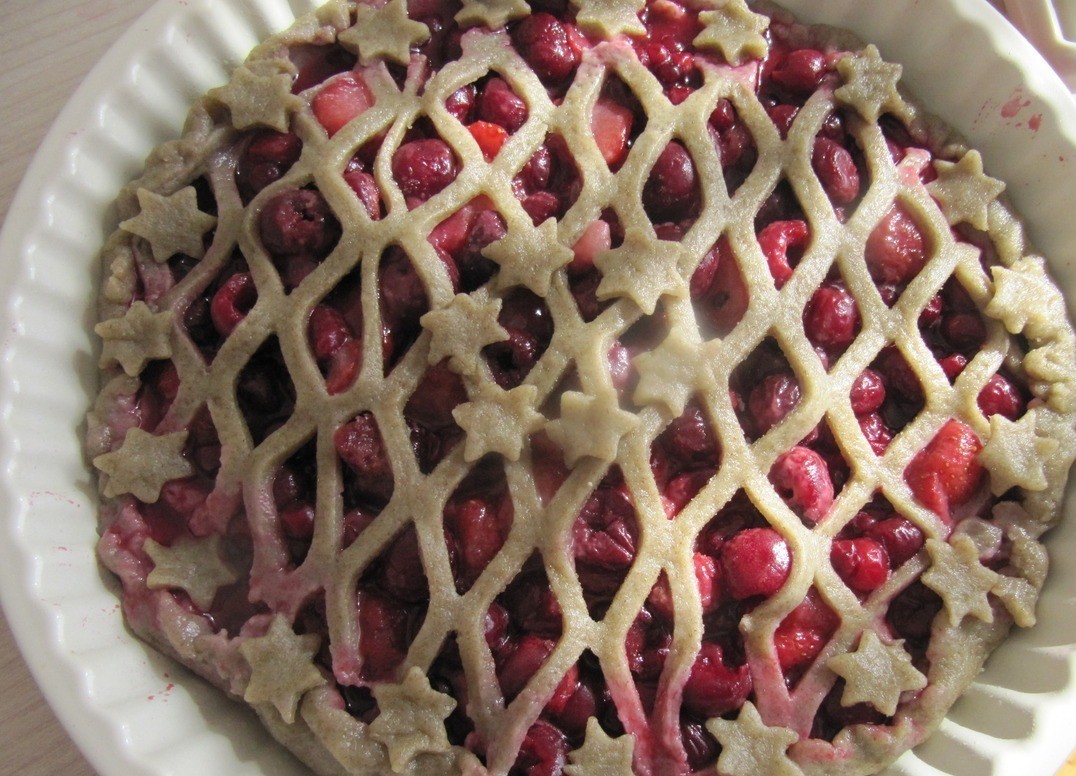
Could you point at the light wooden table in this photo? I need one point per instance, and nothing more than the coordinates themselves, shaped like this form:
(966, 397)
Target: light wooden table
(46, 47)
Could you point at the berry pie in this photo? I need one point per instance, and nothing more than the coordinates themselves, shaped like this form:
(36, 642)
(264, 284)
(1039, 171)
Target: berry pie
(606, 387)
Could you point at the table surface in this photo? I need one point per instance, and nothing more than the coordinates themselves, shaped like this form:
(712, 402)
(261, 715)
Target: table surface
(72, 35)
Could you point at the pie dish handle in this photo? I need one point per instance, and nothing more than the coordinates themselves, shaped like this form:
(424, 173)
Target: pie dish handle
(1050, 25)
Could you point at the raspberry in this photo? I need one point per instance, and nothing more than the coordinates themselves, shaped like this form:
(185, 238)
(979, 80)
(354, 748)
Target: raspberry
(946, 472)
(802, 479)
(777, 240)
(755, 562)
(547, 45)
(424, 167)
(863, 564)
(714, 687)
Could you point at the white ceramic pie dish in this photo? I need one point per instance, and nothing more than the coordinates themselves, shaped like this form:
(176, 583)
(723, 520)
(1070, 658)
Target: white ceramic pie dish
(134, 712)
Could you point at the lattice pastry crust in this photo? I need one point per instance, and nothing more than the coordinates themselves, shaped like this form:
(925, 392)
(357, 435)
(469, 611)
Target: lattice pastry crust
(277, 483)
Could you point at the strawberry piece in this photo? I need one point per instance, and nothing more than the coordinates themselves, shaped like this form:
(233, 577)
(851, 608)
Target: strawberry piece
(341, 100)
(946, 472)
(611, 124)
(489, 136)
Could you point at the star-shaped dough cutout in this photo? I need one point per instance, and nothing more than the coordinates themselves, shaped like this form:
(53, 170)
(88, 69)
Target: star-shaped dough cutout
(171, 224)
(877, 674)
(194, 565)
(643, 269)
(384, 33)
(140, 336)
(734, 30)
(870, 84)
(1019, 597)
(281, 667)
(529, 256)
(498, 421)
(460, 329)
(601, 754)
(589, 426)
(143, 464)
(261, 99)
(491, 13)
(750, 747)
(412, 719)
(960, 579)
(669, 374)
(1025, 300)
(610, 18)
(1015, 455)
(963, 191)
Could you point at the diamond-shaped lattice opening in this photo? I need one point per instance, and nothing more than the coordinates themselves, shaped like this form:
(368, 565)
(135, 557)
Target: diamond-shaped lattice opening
(317, 63)
(550, 471)
(527, 622)
(753, 559)
(910, 617)
(581, 694)
(605, 537)
(295, 499)
(826, 446)
(874, 543)
(359, 702)
(802, 635)
(159, 385)
(526, 318)
(447, 675)
(264, 391)
(718, 291)
(946, 473)
(903, 399)
(424, 164)
(428, 414)
(720, 682)
(215, 312)
(334, 334)
(801, 476)
(460, 239)
(672, 192)
(831, 318)
(684, 457)
(403, 301)
(768, 388)
(491, 110)
(358, 174)
(550, 182)
(265, 156)
(367, 473)
(783, 233)
(477, 519)
(840, 165)
(298, 230)
(583, 277)
(953, 328)
(734, 143)
(616, 120)
(647, 647)
(897, 249)
(392, 599)
(340, 99)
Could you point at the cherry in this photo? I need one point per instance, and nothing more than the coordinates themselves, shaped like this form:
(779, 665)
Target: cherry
(777, 240)
(548, 45)
(544, 752)
(541, 206)
(538, 170)
(365, 188)
(604, 537)
(772, 399)
(404, 576)
(966, 332)
(382, 635)
(863, 564)
(533, 607)
(836, 169)
(689, 437)
(265, 160)
(755, 562)
(901, 538)
(1000, 396)
(647, 647)
(672, 188)
(701, 747)
(359, 445)
(831, 318)
(896, 250)
(495, 627)
(461, 103)
(476, 530)
(424, 167)
(660, 599)
(523, 662)
(876, 431)
(714, 687)
(868, 392)
(804, 632)
(800, 71)
(298, 222)
(498, 104)
(232, 302)
(802, 479)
